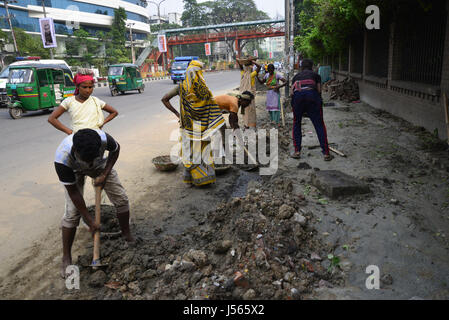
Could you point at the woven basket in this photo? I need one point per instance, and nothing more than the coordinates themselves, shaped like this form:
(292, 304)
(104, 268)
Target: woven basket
(164, 163)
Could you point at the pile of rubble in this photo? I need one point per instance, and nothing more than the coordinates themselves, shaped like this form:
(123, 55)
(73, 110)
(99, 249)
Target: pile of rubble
(346, 90)
(260, 246)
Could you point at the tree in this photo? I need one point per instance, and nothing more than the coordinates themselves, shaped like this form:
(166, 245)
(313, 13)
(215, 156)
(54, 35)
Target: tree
(29, 45)
(116, 52)
(193, 14)
(325, 26)
(221, 12)
(164, 26)
(82, 48)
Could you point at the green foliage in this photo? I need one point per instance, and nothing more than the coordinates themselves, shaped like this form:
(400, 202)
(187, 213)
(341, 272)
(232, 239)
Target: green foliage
(164, 26)
(219, 12)
(335, 262)
(29, 45)
(80, 47)
(192, 14)
(118, 28)
(115, 39)
(327, 25)
(324, 27)
(3, 39)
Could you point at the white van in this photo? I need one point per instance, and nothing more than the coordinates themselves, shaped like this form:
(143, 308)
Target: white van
(5, 74)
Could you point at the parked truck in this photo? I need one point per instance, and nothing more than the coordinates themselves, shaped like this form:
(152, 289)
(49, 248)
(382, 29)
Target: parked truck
(179, 67)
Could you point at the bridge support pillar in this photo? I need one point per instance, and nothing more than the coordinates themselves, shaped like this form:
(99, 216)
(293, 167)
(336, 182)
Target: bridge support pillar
(237, 48)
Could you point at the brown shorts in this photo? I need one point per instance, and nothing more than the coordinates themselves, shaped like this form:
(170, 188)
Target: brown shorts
(114, 190)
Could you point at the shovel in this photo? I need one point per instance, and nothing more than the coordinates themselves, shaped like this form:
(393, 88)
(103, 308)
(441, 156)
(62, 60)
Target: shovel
(96, 263)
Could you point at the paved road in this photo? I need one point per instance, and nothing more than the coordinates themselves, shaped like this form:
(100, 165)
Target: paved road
(31, 198)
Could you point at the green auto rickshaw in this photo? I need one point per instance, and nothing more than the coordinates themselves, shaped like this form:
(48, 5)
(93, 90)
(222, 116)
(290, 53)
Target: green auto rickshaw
(124, 77)
(34, 87)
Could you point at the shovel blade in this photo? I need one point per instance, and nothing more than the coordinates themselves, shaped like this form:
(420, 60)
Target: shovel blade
(97, 264)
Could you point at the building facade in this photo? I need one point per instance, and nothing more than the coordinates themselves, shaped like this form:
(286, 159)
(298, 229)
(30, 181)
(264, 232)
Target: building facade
(274, 45)
(68, 15)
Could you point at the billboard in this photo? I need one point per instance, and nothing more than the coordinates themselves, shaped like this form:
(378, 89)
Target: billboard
(207, 48)
(48, 32)
(162, 42)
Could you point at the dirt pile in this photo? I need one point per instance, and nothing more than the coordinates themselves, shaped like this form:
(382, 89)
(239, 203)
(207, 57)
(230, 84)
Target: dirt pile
(346, 90)
(260, 246)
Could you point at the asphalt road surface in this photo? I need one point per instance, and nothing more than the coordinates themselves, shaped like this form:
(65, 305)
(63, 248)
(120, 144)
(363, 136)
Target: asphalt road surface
(32, 199)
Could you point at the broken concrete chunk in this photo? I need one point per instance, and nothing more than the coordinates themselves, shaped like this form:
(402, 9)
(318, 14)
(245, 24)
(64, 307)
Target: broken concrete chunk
(304, 166)
(335, 183)
(98, 279)
(286, 212)
(198, 257)
(249, 295)
(221, 247)
(299, 219)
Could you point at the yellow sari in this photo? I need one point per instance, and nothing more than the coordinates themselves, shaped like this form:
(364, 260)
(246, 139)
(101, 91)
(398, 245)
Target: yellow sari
(200, 119)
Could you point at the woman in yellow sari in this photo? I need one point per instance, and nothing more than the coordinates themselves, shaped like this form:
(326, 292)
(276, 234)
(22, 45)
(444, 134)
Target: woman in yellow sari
(200, 119)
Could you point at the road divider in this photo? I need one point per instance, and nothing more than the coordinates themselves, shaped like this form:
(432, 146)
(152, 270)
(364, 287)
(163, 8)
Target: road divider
(105, 84)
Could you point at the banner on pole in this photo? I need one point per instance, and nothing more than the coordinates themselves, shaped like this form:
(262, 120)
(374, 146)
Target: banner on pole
(48, 32)
(256, 53)
(162, 42)
(271, 55)
(207, 49)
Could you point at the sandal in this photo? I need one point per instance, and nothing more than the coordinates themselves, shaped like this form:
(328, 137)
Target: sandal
(296, 155)
(328, 157)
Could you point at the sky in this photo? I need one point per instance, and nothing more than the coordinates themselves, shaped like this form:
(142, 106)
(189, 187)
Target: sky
(271, 7)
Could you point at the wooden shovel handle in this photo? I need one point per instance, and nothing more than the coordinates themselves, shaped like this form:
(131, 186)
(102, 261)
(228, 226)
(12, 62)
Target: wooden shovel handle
(96, 255)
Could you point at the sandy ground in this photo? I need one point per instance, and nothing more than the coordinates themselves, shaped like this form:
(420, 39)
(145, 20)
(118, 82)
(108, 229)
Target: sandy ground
(402, 226)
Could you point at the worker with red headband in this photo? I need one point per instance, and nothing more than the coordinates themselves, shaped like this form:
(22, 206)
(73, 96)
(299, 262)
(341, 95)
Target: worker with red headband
(86, 111)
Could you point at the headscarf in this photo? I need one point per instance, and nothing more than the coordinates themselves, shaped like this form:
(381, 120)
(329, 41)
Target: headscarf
(80, 78)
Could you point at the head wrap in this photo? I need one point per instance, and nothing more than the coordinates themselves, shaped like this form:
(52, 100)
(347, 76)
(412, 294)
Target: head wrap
(80, 78)
(244, 96)
(196, 63)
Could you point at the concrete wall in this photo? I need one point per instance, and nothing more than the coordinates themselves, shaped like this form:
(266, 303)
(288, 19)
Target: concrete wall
(418, 112)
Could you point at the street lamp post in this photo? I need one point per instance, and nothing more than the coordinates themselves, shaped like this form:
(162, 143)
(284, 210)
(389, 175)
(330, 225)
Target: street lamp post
(10, 24)
(158, 5)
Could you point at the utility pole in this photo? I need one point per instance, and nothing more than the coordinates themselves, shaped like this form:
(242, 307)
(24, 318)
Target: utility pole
(286, 49)
(158, 5)
(289, 37)
(45, 16)
(10, 25)
(133, 57)
(291, 55)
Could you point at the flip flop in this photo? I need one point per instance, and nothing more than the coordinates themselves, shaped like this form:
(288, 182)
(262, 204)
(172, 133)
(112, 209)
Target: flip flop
(328, 157)
(296, 155)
